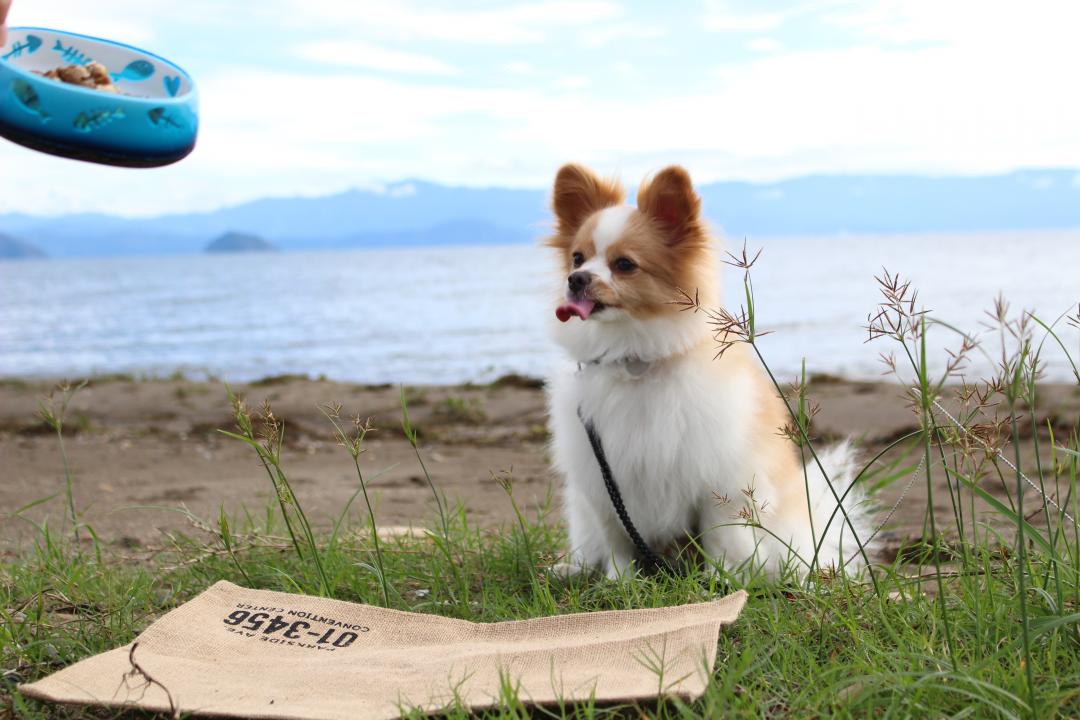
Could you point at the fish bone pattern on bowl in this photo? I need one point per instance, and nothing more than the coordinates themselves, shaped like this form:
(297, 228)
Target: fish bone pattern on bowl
(151, 120)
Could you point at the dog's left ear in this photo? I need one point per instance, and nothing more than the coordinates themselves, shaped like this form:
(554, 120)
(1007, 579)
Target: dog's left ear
(669, 199)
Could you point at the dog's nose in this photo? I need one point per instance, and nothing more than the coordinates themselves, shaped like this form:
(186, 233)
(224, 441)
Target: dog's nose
(579, 280)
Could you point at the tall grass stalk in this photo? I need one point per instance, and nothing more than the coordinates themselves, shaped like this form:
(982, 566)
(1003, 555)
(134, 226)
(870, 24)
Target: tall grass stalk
(443, 543)
(53, 413)
(925, 400)
(412, 436)
(802, 420)
(505, 480)
(354, 444)
(267, 444)
(1013, 390)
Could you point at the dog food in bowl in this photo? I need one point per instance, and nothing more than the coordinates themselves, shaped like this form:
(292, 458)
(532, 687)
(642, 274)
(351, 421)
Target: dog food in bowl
(93, 75)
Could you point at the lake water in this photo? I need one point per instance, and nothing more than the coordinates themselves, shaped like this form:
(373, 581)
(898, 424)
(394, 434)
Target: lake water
(436, 315)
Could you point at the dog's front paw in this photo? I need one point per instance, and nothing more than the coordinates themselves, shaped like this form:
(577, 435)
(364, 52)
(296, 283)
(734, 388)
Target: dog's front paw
(568, 570)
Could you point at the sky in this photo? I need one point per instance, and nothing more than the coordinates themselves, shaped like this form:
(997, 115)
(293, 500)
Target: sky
(310, 97)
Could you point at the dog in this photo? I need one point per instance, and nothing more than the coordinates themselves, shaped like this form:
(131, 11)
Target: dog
(694, 441)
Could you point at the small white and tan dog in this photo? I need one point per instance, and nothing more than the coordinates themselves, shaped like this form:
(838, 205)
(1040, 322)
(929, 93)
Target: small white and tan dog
(685, 433)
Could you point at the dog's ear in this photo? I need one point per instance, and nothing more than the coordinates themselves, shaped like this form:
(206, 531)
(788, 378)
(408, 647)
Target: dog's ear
(669, 199)
(578, 194)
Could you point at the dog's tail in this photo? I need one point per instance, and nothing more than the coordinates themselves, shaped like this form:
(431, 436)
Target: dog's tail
(836, 531)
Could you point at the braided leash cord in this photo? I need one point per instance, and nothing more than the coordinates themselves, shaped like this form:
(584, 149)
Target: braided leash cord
(892, 511)
(1046, 498)
(651, 562)
(922, 462)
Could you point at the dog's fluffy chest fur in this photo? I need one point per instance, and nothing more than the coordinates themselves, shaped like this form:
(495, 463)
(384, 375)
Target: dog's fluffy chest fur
(674, 435)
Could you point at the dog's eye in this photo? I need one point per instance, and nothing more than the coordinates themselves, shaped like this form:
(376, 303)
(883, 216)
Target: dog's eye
(578, 259)
(624, 265)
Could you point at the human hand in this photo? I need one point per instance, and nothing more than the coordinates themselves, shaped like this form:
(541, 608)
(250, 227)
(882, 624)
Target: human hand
(4, 5)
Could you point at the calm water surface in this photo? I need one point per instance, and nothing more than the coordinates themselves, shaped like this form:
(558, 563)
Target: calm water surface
(455, 314)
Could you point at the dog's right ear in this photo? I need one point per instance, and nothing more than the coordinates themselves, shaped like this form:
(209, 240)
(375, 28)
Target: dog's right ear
(578, 194)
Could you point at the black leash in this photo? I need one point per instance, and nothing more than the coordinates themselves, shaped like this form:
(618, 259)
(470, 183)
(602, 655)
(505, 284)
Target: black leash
(650, 561)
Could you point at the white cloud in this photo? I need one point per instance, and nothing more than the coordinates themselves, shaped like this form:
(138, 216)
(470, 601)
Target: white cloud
(529, 22)
(720, 17)
(122, 20)
(936, 109)
(969, 23)
(520, 68)
(353, 53)
(572, 82)
(601, 35)
(764, 45)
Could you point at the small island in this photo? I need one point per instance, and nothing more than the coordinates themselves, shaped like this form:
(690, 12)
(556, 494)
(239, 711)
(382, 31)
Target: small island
(12, 249)
(232, 242)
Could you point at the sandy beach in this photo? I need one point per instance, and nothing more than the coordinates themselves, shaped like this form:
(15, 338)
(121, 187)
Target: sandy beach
(141, 449)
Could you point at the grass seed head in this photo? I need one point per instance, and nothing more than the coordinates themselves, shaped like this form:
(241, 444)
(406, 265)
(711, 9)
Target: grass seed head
(896, 315)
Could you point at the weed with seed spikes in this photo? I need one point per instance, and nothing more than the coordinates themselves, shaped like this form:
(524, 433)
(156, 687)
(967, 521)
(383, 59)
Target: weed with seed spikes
(267, 441)
(53, 412)
(354, 444)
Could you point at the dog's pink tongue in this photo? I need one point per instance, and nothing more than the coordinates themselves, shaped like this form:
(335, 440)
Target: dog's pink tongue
(582, 308)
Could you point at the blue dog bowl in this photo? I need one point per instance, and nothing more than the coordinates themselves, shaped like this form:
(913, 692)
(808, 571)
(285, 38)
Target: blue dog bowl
(152, 121)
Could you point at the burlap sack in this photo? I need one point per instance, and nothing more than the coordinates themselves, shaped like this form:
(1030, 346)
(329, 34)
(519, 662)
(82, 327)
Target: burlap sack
(261, 654)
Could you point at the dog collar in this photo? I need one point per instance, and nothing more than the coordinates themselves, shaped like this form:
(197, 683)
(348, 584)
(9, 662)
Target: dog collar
(635, 367)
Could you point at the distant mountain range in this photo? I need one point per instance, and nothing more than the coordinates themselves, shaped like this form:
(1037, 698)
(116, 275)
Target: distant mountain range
(422, 213)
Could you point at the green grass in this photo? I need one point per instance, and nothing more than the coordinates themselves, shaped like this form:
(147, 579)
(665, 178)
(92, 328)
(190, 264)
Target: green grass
(836, 648)
(978, 619)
